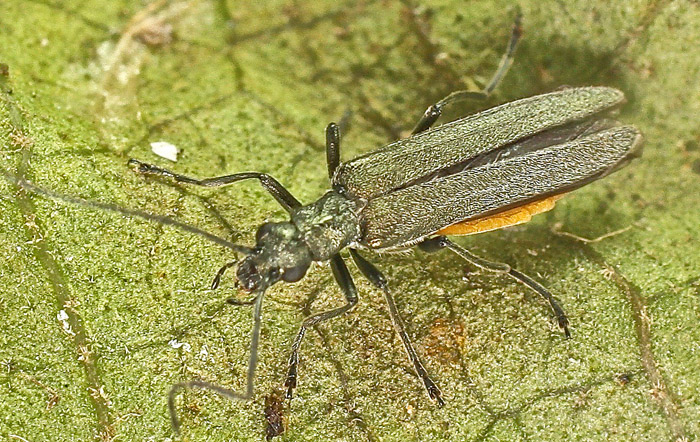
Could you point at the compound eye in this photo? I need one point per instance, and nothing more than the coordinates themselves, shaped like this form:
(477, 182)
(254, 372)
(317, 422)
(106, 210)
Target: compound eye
(294, 274)
(263, 230)
(274, 274)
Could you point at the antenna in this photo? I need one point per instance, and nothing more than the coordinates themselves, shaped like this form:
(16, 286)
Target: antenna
(130, 213)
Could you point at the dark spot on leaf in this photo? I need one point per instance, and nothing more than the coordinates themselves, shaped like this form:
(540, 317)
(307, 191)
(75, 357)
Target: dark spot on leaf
(623, 378)
(274, 414)
(445, 340)
(696, 166)
(692, 145)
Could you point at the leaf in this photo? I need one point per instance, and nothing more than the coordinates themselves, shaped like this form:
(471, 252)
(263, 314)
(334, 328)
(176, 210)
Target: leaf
(103, 314)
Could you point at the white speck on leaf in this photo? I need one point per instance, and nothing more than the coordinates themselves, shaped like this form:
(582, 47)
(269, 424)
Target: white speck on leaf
(165, 150)
(62, 317)
(175, 344)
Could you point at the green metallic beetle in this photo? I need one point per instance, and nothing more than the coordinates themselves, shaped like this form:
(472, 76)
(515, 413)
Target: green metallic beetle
(489, 170)
(486, 171)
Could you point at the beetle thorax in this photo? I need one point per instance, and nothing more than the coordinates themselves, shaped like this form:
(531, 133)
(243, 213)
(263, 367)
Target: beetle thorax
(328, 225)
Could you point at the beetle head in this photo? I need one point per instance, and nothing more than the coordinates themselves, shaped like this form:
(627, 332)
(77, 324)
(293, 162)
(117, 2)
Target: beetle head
(280, 254)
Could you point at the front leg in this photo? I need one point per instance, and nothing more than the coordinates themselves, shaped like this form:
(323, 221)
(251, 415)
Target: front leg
(282, 195)
(342, 276)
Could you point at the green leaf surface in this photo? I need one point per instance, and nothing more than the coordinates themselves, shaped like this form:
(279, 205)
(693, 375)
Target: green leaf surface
(102, 314)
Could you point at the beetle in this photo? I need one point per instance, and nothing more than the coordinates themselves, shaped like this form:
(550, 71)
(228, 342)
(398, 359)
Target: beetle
(494, 169)
(486, 171)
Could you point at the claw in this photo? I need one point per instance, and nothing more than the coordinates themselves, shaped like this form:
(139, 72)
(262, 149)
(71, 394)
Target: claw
(564, 325)
(140, 167)
(291, 382)
(434, 392)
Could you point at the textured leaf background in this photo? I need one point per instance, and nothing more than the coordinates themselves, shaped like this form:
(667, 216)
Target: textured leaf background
(102, 314)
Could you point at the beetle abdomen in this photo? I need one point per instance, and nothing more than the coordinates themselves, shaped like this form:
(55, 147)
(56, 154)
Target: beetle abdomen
(507, 218)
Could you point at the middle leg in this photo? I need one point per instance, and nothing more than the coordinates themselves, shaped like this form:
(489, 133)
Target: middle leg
(376, 278)
(332, 148)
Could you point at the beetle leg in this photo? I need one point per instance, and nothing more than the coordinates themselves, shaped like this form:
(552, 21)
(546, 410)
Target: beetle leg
(223, 391)
(332, 148)
(440, 242)
(282, 195)
(375, 277)
(434, 111)
(342, 276)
